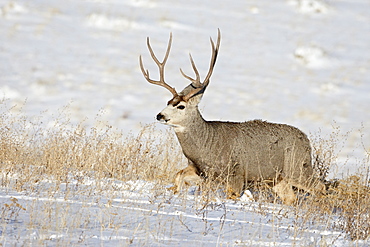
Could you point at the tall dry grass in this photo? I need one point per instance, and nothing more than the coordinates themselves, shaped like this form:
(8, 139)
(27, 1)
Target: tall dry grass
(347, 201)
(32, 148)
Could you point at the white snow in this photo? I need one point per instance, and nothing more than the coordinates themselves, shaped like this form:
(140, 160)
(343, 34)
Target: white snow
(311, 56)
(88, 214)
(300, 62)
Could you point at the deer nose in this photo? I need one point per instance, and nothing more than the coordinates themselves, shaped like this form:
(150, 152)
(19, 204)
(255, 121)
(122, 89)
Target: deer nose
(160, 116)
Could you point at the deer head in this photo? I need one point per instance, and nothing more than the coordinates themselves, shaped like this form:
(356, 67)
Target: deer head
(183, 106)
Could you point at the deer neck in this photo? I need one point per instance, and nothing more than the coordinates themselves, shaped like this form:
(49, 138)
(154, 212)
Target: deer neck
(194, 121)
(192, 134)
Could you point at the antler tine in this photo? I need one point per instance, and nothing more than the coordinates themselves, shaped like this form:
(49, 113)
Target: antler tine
(145, 72)
(201, 86)
(160, 65)
(195, 81)
(214, 57)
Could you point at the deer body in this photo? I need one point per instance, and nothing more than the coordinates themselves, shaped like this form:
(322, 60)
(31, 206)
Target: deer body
(229, 152)
(257, 149)
(248, 151)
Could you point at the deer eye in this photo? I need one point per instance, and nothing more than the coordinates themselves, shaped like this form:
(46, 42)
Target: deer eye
(181, 107)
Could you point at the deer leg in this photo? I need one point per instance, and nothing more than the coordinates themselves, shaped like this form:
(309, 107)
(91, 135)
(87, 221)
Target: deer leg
(187, 176)
(236, 182)
(285, 191)
(313, 186)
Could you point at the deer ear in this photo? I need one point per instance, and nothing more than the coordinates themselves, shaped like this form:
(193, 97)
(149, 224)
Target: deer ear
(194, 100)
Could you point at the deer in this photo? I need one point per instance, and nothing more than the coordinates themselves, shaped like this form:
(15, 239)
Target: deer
(236, 153)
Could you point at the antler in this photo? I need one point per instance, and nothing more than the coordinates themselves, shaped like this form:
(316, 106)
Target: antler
(197, 85)
(160, 65)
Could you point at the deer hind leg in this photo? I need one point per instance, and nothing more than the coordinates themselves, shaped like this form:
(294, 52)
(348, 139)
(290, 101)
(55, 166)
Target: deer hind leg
(311, 185)
(187, 176)
(285, 191)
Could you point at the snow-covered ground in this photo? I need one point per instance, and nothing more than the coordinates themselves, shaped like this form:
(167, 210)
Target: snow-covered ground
(300, 62)
(109, 213)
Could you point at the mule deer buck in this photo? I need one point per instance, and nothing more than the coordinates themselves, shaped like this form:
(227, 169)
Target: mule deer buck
(234, 152)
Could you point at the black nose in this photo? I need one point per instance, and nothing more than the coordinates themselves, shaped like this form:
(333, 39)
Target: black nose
(159, 116)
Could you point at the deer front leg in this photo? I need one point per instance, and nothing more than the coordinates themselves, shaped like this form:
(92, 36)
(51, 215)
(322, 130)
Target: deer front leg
(285, 191)
(187, 176)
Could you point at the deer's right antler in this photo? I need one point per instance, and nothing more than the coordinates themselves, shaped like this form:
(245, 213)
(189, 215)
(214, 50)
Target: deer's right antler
(160, 65)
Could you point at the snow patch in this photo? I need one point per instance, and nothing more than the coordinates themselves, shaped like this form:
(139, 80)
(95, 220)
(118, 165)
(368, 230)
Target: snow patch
(102, 21)
(330, 87)
(8, 92)
(311, 56)
(142, 3)
(254, 10)
(175, 25)
(310, 6)
(13, 8)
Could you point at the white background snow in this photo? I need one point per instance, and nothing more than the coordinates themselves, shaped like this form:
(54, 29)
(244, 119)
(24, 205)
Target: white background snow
(300, 62)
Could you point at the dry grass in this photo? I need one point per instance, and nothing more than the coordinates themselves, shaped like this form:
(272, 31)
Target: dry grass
(29, 146)
(30, 150)
(348, 198)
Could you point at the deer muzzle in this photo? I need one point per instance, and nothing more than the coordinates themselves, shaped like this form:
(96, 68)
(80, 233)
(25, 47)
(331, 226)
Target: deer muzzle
(160, 117)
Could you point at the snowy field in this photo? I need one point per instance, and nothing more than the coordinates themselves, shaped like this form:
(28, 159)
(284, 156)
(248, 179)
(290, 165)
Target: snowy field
(300, 62)
(118, 216)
